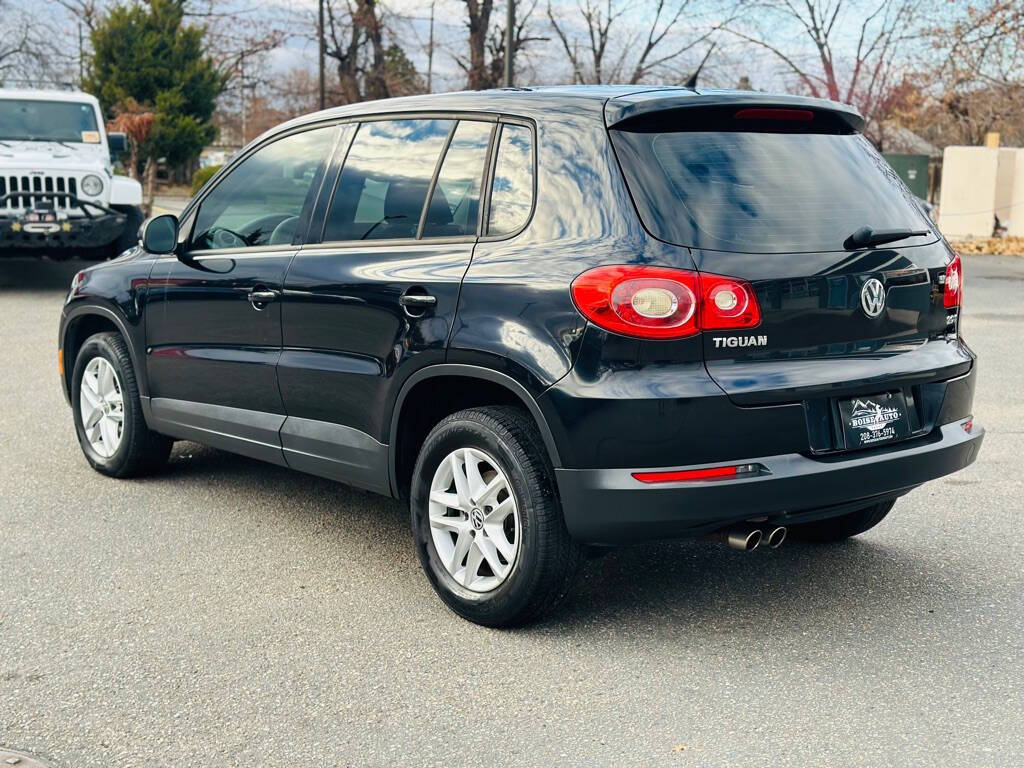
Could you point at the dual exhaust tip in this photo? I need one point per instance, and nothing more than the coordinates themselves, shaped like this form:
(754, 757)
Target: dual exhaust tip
(746, 538)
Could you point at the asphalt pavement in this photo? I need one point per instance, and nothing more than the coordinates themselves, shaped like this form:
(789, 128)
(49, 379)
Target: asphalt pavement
(228, 612)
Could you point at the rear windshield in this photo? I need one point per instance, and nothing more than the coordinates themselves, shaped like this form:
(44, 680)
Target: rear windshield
(762, 192)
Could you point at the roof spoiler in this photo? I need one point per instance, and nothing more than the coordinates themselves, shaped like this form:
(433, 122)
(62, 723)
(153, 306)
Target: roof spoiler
(634, 105)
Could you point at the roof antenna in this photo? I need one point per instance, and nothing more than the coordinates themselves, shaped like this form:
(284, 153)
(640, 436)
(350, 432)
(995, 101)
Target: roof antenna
(691, 81)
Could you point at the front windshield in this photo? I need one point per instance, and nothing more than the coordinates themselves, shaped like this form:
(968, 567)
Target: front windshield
(30, 120)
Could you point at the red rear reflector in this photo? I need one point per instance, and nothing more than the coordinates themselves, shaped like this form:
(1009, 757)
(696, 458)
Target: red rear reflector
(686, 474)
(760, 113)
(953, 289)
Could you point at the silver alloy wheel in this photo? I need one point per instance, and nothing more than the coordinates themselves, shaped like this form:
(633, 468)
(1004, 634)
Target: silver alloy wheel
(101, 404)
(474, 520)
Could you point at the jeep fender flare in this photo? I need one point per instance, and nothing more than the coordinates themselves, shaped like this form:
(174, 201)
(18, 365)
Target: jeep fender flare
(125, 191)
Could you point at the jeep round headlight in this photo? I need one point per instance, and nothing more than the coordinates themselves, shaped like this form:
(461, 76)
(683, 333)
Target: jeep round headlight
(92, 185)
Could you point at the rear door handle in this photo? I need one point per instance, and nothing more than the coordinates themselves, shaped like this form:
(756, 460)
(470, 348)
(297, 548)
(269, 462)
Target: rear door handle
(417, 300)
(262, 296)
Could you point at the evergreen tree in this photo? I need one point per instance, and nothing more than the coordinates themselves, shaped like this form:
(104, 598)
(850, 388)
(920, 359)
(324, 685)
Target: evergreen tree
(143, 53)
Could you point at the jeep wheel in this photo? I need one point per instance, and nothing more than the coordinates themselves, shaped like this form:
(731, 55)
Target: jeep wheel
(108, 414)
(486, 519)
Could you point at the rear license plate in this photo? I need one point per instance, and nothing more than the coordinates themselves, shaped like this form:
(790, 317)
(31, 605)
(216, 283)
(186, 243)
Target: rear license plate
(873, 420)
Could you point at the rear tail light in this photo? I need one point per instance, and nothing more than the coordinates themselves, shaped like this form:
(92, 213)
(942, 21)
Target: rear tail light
(662, 303)
(953, 286)
(649, 302)
(728, 303)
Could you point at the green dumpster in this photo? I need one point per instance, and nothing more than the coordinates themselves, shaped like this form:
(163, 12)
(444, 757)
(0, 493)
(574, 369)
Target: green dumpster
(913, 169)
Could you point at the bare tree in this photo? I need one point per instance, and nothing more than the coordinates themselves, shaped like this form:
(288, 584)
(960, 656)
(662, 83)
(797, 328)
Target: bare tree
(485, 63)
(25, 50)
(869, 73)
(369, 61)
(616, 48)
(981, 77)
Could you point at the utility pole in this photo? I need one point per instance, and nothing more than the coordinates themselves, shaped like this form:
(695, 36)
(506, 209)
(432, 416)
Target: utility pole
(241, 91)
(510, 23)
(430, 51)
(81, 56)
(323, 50)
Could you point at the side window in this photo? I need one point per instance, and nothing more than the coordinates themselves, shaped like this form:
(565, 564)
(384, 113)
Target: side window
(259, 201)
(512, 190)
(455, 204)
(384, 182)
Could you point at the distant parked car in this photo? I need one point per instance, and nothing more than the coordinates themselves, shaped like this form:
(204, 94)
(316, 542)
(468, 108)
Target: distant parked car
(59, 196)
(547, 318)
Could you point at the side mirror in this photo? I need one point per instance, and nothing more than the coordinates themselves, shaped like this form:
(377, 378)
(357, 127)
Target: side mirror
(117, 143)
(159, 234)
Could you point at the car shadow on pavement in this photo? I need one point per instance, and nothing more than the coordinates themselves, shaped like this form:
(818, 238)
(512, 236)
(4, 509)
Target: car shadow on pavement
(667, 589)
(38, 274)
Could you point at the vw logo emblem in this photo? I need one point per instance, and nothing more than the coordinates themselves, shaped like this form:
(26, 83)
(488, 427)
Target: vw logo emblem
(476, 517)
(872, 297)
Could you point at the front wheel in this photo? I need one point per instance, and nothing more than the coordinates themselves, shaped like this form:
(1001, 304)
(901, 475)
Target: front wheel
(486, 519)
(108, 413)
(844, 526)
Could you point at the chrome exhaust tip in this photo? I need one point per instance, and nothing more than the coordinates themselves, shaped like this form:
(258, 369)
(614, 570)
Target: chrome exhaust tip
(774, 537)
(744, 539)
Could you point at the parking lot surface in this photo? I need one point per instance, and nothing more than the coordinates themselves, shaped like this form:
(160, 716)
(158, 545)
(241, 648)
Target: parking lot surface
(228, 612)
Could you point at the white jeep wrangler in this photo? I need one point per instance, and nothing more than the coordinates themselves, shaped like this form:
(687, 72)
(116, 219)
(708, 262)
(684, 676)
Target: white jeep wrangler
(59, 196)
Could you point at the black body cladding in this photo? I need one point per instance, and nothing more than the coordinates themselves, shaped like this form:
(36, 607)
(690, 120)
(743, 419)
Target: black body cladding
(301, 334)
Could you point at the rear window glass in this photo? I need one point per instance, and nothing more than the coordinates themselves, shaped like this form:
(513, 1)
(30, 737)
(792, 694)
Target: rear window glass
(384, 182)
(762, 192)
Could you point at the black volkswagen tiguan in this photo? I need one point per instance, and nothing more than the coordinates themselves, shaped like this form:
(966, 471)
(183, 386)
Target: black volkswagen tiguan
(549, 318)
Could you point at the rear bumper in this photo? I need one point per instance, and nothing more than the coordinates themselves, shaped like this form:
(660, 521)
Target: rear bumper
(609, 506)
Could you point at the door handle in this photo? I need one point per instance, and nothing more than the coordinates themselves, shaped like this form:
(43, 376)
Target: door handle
(263, 296)
(417, 300)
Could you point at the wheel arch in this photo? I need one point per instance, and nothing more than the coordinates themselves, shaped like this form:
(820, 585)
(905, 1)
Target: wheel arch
(513, 392)
(84, 320)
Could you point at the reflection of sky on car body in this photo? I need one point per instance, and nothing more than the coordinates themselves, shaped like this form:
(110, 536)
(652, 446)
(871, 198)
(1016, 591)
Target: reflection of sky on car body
(398, 149)
(512, 193)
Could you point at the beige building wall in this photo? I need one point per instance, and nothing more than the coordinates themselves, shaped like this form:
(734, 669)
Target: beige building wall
(1005, 174)
(968, 198)
(1014, 220)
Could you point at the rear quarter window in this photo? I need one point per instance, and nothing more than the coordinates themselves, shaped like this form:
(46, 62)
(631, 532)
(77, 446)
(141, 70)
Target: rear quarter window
(761, 191)
(512, 189)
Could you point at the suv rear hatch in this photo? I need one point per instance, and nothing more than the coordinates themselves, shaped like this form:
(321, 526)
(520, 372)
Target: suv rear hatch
(778, 192)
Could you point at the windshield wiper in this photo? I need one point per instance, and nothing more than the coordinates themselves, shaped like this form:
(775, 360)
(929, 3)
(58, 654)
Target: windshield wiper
(865, 237)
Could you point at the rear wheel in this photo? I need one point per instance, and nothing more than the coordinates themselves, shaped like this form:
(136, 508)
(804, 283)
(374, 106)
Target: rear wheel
(486, 519)
(108, 413)
(843, 526)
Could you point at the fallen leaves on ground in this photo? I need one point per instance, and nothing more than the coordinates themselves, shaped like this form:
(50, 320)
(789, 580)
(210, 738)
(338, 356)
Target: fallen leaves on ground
(997, 246)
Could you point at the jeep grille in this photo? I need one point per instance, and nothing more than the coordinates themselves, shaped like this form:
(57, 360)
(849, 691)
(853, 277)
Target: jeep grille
(36, 188)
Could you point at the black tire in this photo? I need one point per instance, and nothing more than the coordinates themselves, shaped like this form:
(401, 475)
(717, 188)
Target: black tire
(844, 526)
(129, 236)
(548, 559)
(140, 450)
